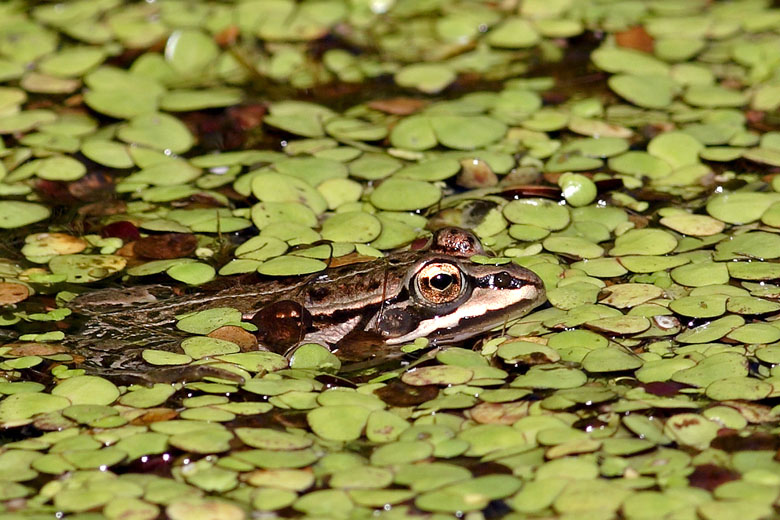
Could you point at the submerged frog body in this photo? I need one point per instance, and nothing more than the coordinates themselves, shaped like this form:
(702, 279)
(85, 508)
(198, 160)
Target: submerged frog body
(438, 293)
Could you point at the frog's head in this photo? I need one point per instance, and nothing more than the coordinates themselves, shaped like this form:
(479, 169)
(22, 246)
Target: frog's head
(449, 299)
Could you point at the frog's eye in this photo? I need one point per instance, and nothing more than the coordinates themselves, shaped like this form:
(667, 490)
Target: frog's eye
(439, 282)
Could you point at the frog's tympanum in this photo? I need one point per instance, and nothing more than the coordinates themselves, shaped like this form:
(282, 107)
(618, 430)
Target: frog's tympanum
(437, 293)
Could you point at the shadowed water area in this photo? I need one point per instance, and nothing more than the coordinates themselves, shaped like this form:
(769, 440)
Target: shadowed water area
(347, 259)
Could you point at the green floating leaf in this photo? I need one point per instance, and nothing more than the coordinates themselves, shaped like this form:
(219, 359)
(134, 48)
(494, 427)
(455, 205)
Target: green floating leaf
(513, 33)
(291, 265)
(678, 149)
(429, 77)
(313, 356)
(80, 500)
(470, 495)
(694, 225)
(610, 360)
(201, 347)
(701, 274)
(107, 153)
(351, 226)
(60, 168)
(404, 195)
(768, 156)
(87, 390)
(17, 409)
(430, 170)
(25, 121)
(438, 375)
(266, 438)
(355, 130)
(185, 100)
(14, 214)
(644, 242)
(690, 429)
(713, 368)
(162, 357)
(740, 207)
(275, 187)
(11, 97)
(86, 268)
(550, 376)
(413, 133)
(313, 170)
(338, 422)
(644, 90)
(640, 164)
(170, 172)
(578, 190)
(467, 132)
(401, 452)
(709, 306)
(538, 212)
(619, 59)
(158, 131)
(142, 397)
(746, 388)
(299, 117)
(203, 322)
(189, 51)
(264, 213)
(120, 94)
(204, 440)
(715, 96)
(72, 62)
(130, 507)
(573, 246)
(194, 273)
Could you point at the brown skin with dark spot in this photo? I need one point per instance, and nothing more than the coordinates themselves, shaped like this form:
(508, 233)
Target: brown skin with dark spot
(281, 324)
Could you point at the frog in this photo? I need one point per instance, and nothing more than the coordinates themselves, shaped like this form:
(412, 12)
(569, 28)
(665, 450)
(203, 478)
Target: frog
(437, 292)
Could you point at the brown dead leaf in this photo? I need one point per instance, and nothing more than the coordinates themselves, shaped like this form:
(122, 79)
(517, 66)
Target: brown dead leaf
(398, 393)
(754, 413)
(227, 36)
(103, 208)
(635, 38)
(241, 337)
(401, 106)
(35, 349)
(11, 293)
(122, 229)
(352, 258)
(128, 251)
(166, 246)
(247, 117)
(93, 186)
(153, 415)
(640, 221)
(55, 192)
(49, 422)
(500, 413)
(60, 243)
(75, 100)
(475, 173)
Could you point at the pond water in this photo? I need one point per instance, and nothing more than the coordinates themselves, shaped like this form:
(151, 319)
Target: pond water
(625, 151)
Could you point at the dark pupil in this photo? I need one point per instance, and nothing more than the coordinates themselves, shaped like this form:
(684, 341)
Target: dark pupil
(441, 281)
(503, 280)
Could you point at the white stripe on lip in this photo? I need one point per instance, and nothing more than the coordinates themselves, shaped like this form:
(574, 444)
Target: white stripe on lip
(482, 301)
